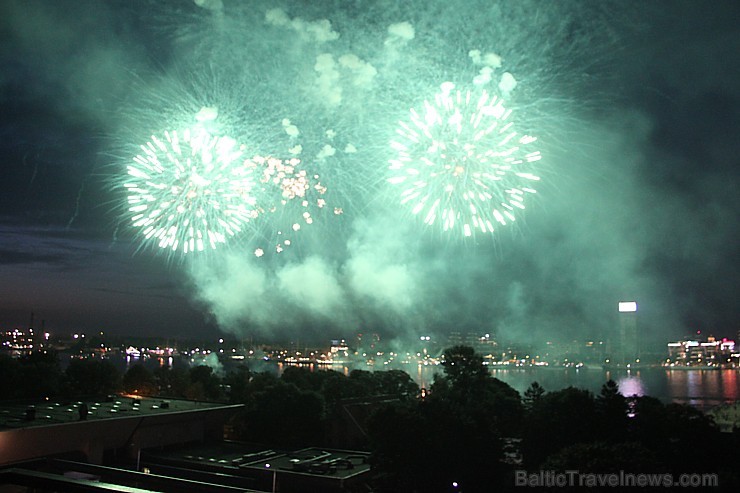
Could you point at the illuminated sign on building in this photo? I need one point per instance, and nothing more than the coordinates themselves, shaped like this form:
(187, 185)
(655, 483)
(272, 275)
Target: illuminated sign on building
(627, 306)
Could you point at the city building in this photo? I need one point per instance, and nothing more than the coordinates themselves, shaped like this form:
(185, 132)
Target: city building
(131, 444)
(574, 353)
(96, 430)
(482, 343)
(707, 354)
(262, 468)
(17, 342)
(629, 347)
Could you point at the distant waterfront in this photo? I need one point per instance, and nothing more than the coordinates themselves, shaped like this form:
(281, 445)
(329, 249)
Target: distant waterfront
(703, 389)
(700, 388)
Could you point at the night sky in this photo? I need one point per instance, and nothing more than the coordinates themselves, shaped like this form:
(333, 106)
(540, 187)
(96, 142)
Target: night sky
(636, 108)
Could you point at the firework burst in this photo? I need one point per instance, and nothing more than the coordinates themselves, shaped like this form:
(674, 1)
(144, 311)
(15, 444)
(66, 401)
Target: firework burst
(460, 163)
(190, 191)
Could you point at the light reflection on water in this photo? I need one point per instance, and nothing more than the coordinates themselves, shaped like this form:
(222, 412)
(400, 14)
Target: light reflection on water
(701, 388)
(631, 385)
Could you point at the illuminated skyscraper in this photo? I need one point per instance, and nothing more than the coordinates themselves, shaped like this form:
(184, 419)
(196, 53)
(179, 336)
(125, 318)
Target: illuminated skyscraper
(629, 349)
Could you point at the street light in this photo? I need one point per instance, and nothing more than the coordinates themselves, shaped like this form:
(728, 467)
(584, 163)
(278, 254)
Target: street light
(274, 477)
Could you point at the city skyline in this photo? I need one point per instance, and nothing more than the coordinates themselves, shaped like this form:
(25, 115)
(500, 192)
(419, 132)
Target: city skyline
(636, 123)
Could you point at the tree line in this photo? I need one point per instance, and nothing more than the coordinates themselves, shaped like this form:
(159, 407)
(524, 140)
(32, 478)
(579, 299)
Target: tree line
(468, 432)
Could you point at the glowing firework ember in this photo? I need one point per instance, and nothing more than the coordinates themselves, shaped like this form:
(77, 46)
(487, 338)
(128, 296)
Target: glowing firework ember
(288, 190)
(461, 164)
(190, 190)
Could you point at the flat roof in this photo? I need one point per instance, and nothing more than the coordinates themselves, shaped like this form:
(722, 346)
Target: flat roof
(24, 415)
(42, 481)
(230, 457)
(64, 475)
(340, 464)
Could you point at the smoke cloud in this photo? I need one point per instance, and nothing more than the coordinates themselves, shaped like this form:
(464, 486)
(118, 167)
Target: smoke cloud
(635, 122)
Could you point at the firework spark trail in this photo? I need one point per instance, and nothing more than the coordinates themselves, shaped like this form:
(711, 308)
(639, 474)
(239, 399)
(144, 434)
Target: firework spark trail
(461, 163)
(189, 191)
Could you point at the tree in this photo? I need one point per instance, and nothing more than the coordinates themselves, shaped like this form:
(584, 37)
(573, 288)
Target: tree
(138, 380)
(172, 381)
(685, 427)
(463, 366)
(9, 383)
(397, 434)
(92, 377)
(684, 438)
(458, 427)
(335, 387)
(612, 409)
(533, 395)
(601, 457)
(237, 381)
(396, 383)
(363, 382)
(282, 416)
(469, 387)
(427, 446)
(648, 424)
(562, 418)
(41, 375)
(303, 378)
(204, 384)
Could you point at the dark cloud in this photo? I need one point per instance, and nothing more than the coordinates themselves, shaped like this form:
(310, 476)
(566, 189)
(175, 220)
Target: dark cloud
(16, 257)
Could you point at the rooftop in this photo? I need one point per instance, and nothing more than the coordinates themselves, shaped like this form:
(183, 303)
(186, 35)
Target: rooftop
(23, 415)
(228, 457)
(233, 463)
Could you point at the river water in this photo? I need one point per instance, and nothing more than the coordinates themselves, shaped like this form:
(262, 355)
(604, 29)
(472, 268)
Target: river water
(700, 388)
(703, 389)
